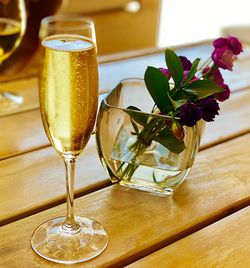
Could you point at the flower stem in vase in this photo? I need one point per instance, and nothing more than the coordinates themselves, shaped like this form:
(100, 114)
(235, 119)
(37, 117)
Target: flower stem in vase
(143, 141)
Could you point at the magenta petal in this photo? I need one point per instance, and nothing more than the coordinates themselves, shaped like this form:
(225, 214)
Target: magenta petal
(235, 45)
(186, 63)
(220, 42)
(223, 58)
(225, 94)
(166, 72)
(231, 42)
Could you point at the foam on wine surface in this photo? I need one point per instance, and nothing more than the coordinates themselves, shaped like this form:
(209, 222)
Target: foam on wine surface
(68, 43)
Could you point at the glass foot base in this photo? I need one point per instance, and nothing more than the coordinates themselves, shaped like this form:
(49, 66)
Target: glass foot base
(9, 101)
(150, 188)
(51, 242)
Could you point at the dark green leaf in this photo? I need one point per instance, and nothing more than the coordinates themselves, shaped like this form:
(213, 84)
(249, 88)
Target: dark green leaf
(131, 107)
(203, 88)
(174, 65)
(192, 71)
(177, 103)
(168, 140)
(136, 115)
(181, 95)
(158, 87)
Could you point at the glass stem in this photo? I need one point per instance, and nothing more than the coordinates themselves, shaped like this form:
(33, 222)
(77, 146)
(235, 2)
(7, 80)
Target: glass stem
(70, 226)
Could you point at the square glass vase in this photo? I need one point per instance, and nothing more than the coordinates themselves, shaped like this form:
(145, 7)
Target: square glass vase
(137, 148)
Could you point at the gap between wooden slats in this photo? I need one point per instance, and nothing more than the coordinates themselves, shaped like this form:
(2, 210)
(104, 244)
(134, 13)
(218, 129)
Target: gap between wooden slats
(222, 244)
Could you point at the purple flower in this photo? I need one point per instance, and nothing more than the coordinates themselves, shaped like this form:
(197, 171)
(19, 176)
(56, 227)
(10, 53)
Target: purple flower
(223, 58)
(232, 43)
(166, 72)
(214, 75)
(220, 42)
(235, 45)
(186, 63)
(222, 96)
(190, 113)
(209, 107)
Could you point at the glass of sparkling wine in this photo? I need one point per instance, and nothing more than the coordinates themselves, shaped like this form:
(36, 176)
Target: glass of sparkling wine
(68, 102)
(12, 29)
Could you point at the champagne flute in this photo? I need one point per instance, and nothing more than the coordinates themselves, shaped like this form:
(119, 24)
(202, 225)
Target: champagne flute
(68, 102)
(12, 28)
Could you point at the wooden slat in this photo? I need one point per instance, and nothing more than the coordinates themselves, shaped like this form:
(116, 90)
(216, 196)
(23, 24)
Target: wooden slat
(21, 133)
(139, 223)
(136, 66)
(24, 132)
(27, 88)
(222, 244)
(204, 46)
(32, 67)
(111, 73)
(36, 180)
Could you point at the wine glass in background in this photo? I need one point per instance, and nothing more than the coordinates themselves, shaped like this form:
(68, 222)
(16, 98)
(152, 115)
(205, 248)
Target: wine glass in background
(12, 29)
(68, 103)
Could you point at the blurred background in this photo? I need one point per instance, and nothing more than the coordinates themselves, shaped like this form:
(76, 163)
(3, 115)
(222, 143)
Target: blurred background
(125, 25)
(184, 22)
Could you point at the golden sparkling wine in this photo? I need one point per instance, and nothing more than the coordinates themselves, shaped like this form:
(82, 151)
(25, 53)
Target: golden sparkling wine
(10, 37)
(69, 91)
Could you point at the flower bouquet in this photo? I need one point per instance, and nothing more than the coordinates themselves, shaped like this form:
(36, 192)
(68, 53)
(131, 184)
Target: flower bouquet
(150, 143)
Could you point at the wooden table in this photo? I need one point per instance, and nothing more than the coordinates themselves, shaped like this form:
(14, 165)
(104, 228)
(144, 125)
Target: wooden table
(205, 224)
